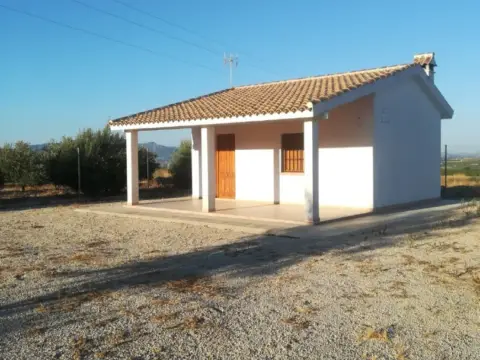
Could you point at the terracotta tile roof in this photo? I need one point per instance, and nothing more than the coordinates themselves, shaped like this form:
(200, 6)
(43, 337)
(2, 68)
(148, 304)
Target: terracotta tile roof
(424, 59)
(267, 98)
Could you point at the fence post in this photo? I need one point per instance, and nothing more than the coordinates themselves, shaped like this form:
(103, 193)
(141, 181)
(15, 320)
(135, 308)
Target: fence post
(148, 172)
(445, 170)
(78, 174)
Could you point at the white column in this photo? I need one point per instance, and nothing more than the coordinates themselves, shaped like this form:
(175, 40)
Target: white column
(132, 167)
(208, 168)
(196, 164)
(310, 139)
(277, 156)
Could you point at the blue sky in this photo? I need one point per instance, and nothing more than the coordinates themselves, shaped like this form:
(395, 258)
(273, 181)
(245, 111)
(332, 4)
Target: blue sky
(55, 81)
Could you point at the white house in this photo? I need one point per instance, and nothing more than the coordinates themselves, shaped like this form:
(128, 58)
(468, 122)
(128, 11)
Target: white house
(368, 139)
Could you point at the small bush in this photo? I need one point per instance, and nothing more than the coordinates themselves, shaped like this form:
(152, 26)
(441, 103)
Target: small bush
(102, 162)
(20, 165)
(181, 166)
(165, 182)
(2, 180)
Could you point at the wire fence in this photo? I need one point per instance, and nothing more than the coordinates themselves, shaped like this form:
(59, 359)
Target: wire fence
(459, 169)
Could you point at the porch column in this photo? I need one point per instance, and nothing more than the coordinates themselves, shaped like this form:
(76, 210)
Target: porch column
(132, 167)
(208, 168)
(196, 164)
(277, 165)
(310, 148)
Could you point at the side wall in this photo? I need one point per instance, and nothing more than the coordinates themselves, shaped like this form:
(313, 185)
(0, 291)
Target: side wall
(407, 150)
(345, 159)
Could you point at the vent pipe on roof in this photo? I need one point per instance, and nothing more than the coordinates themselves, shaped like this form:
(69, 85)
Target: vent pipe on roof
(427, 61)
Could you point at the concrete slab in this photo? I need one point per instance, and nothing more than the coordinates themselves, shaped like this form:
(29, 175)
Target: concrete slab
(250, 210)
(235, 224)
(404, 219)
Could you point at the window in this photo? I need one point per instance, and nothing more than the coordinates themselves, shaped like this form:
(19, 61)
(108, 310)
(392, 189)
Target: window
(292, 153)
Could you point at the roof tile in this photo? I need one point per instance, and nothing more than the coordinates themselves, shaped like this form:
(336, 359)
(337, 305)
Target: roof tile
(266, 98)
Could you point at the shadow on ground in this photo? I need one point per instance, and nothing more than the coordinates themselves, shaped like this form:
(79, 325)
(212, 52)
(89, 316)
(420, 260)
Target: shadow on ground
(461, 192)
(250, 257)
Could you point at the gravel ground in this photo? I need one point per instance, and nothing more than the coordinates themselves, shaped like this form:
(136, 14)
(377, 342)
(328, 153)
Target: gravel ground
(84, 286)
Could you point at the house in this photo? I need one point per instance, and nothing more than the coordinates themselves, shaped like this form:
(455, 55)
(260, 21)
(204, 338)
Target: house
(366, 139)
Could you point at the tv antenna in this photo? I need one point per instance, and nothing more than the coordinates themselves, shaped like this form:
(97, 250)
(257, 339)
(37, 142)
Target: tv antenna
(231, 61)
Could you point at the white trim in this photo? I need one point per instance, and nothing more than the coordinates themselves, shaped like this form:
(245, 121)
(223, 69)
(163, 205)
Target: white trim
(196, 163)
(207, 135)
(310, 153)
(428, 86)
(219, 121)
(131, 138)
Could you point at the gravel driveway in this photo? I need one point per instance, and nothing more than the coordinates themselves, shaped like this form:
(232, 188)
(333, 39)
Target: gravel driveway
(85, 286)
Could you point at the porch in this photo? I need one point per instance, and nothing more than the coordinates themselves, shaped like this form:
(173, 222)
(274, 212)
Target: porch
(306, 169)
(293, 214)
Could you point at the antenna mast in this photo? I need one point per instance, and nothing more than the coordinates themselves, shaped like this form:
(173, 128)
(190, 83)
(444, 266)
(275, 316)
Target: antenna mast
(231, 61)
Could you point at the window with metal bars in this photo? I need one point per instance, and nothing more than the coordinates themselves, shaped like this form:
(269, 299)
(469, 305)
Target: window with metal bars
(292, 153)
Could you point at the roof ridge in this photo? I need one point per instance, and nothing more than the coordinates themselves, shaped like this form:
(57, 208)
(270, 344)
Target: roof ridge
(324, 75)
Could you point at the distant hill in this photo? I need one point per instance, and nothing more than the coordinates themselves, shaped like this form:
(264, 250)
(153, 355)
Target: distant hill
(38, 147)
(164, 153)
(462, 155)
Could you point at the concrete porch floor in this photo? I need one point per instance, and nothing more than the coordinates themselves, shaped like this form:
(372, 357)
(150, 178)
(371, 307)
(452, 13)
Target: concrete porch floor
(252, 210)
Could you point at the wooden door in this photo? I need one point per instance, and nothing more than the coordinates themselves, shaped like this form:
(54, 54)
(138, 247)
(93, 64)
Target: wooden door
(225, 166)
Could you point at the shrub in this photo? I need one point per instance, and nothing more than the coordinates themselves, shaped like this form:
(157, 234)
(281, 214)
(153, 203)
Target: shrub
(2, 180)
(181, 166)
(20, 165)
(142, 163)
(102, 162)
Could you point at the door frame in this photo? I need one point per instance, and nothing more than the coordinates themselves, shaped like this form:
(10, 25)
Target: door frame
(217, 177)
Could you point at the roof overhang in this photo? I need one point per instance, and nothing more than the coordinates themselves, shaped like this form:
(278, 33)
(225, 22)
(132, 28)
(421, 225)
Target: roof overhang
(315, 109)
(415, 72)
(431, 90)
(217, 121)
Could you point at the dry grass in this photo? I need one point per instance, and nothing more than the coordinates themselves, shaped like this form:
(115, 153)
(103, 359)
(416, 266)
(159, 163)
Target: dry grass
(380, 334)
(84, 258)
(401, 352)
(38, 330)
(460, 180)
(11, 191)
(119, 337)
(189, 323)
(369, 266)
(162, 302)
(79, 347)
(163, 318)
(476, 282)
(195, 285)
(106, 321)
(193, 322)
(287, 279)
(70, 302)
(162, 172)
(297, 322)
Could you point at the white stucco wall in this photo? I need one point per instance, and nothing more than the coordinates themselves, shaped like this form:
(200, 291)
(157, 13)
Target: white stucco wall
(345, 159)
(196, 163)
(407, 135)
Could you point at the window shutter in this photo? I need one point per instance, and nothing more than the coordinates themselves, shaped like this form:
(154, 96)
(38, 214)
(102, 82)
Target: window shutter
(292, 153)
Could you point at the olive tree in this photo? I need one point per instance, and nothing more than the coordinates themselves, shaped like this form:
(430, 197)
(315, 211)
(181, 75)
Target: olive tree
(181, 166)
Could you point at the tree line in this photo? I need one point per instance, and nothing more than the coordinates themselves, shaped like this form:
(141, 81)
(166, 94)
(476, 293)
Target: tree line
(103, 165)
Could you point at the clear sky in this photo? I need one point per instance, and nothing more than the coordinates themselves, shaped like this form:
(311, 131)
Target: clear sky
(55, 81)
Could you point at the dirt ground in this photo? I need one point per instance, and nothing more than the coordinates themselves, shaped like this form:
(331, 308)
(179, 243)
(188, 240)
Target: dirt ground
(85, 286)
